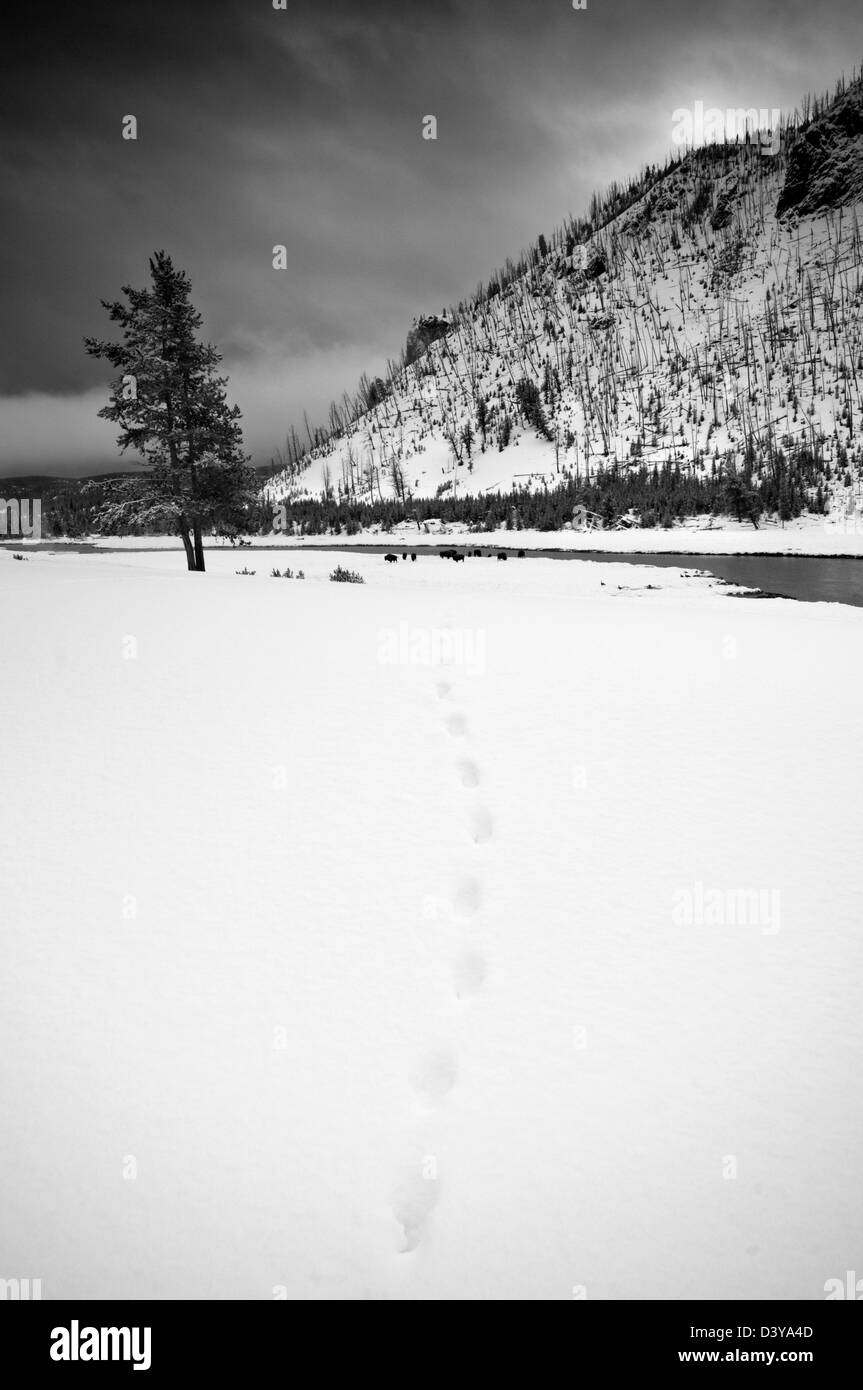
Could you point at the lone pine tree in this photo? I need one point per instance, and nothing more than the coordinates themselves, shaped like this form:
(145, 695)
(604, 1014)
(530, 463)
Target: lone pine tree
(172, 410)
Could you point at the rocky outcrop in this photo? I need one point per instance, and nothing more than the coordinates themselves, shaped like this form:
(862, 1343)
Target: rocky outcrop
(825, 160)
(425, 331)
(597, 264)
(723, 212)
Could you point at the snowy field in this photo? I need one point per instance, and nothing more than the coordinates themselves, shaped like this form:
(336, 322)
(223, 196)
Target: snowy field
(483, 932)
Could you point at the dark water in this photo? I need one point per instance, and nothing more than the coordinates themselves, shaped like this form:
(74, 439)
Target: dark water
(813, 579)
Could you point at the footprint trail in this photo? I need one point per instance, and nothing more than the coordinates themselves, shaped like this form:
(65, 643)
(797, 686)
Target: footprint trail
(416, 1187)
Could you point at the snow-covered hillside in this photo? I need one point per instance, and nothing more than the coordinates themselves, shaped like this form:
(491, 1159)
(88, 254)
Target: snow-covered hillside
(697, 325)
(482, 931)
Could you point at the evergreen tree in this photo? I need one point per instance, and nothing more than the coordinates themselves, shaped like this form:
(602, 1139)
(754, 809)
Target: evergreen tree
(171, 408)
(528, 397)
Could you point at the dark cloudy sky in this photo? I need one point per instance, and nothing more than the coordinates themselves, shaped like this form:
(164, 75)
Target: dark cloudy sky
(303, 126)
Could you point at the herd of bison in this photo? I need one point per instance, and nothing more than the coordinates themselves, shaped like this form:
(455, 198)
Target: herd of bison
(450, 554)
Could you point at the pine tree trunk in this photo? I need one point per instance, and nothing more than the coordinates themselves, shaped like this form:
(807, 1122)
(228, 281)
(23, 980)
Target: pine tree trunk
(199, 548)
(187, 546)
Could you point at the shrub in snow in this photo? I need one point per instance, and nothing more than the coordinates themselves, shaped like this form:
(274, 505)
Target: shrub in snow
(343, 576)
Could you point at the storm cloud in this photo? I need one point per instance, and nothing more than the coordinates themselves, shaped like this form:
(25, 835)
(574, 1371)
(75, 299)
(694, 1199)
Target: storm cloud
(260, 126)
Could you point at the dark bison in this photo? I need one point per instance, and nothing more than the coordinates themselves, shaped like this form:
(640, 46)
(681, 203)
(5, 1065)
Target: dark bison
(501, 554)
(404, 555)
(413, 555)
(521, 554)
(391, 559)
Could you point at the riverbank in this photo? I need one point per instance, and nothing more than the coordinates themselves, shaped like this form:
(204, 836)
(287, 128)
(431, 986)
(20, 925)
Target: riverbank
(697, 536)
(809, 576)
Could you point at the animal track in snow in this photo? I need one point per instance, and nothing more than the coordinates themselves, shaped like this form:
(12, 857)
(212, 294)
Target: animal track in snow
(480, 826)
(467, 897)
(468, 974)
(415, 1194)
(469, 773)
(456, 725)
(435, 1076)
